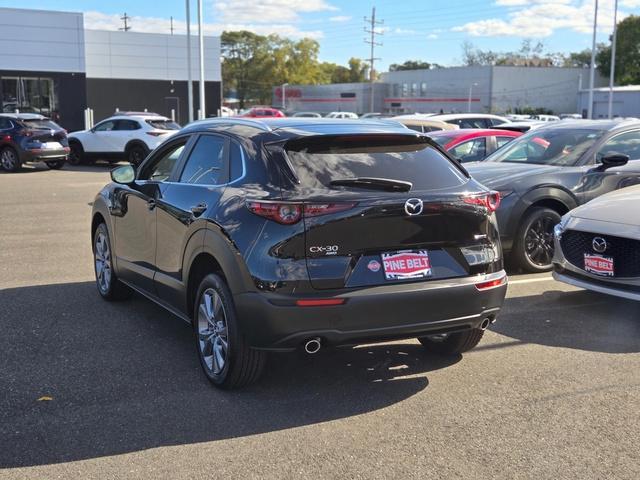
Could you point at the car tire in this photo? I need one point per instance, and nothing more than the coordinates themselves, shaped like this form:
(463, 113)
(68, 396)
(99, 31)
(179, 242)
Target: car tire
(109, 286)
(10, 160)
(76, 155)
(452, 343)
(225, 356)
(136, 154)
(55, 164)
(533, 245)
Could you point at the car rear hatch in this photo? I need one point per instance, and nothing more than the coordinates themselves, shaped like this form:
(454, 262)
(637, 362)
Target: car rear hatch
(381, 209)
(46, 132)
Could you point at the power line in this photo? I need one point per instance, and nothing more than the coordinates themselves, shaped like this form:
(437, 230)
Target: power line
(126, 19)
(372, 42)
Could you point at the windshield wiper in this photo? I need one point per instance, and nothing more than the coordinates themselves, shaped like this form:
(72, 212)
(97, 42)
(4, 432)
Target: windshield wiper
(387, 184)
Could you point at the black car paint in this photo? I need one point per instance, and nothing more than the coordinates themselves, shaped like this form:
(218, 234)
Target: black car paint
(159, 244)
(561, 188)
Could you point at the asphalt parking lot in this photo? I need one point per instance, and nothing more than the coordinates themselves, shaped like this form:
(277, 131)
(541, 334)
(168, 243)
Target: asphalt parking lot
(90, 389)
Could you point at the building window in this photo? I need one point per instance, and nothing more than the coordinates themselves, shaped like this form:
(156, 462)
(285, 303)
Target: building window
(405, 89)
(423, 88)
(29, 95)
(414, 90)
(348, 95)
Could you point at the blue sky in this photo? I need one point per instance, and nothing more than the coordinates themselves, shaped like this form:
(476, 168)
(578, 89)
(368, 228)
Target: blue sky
(430, 30)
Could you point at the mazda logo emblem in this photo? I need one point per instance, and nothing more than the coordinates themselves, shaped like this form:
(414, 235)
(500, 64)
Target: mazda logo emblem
(599, 244)
(413, 206)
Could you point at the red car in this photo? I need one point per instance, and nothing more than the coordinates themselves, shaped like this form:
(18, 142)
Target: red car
(263, 112)
(470, 144)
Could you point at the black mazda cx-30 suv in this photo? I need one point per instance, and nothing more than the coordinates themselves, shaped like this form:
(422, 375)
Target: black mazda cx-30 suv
(302, 233)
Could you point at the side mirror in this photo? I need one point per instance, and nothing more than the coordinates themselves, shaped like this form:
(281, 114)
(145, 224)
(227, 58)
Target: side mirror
(124, 175)
(613, 160)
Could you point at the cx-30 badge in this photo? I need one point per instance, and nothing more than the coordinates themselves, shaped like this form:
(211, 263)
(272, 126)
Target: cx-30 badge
(413, 206)
(599, 244)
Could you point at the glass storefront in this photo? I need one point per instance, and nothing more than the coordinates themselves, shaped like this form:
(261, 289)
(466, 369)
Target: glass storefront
(29, 95)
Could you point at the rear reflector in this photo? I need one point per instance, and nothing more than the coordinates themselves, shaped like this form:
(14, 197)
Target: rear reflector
(325, 302)
(492, 283)
(491, 200)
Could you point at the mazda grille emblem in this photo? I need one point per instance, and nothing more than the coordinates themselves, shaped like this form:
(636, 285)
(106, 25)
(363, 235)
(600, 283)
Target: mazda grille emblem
(413, 206)
(599, 244)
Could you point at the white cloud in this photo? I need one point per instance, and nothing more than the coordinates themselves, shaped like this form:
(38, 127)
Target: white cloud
(103, 21)
(267, 11)
(340, 18)
(432, 36)
(405, 31)
(540, 18)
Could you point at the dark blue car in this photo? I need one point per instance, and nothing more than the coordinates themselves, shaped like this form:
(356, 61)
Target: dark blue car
(29, 137)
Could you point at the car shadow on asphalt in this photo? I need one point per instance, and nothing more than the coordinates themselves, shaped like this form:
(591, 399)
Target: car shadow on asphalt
(582, 320)
(83, 378)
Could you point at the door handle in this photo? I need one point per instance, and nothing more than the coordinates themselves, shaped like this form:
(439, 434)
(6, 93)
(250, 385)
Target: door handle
(199, 209)
(151, 204)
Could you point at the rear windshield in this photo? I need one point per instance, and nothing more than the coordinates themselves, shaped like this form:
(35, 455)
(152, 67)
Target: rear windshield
(442, 140)
(319, 161)
(164, 124)
(41, 124)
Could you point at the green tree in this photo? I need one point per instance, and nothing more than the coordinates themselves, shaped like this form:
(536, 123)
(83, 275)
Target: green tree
(627, 53)
(410, 65)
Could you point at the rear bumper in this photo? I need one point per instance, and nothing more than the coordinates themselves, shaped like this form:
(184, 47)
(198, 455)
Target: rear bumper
(274, 322)
(42, 155)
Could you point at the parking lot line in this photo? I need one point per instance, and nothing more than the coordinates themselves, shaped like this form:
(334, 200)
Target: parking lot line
(531, 280)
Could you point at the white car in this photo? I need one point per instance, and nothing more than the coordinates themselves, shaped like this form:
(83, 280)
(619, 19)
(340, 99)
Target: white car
(597, 245)
(129, 136)
(471, 120)
(350, 115)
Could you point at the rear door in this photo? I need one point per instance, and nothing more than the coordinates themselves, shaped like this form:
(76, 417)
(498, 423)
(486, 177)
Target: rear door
(187, 201)
(370, 235)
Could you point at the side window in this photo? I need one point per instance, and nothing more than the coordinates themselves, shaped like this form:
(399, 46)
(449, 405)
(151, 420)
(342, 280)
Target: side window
(127, 125)
(205, 165)
(472, 123)
(236, 162)
(502, 141)
(494, 122)
(470, 151)
(5, 124)
(160, 168)
(626, 143)
(417, 128)
(107, 126)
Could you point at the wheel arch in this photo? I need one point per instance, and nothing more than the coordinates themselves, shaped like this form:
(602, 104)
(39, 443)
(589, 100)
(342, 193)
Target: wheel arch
(136, 142)
(554, 197)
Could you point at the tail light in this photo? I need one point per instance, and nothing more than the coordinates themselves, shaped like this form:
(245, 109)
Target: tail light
(290, 213)
(156, 134)
(490, 200)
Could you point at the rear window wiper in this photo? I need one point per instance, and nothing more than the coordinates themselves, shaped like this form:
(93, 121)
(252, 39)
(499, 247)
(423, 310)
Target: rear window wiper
(387, 184)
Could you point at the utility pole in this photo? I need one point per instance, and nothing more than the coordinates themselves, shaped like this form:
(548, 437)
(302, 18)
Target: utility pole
(612, 72)
(126, 19)
(189, 80)
(171, 27)
(203, 113)
(592, 72)
(372, 22)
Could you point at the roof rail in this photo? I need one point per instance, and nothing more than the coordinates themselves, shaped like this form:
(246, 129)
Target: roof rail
(133, 113)
(249, 122)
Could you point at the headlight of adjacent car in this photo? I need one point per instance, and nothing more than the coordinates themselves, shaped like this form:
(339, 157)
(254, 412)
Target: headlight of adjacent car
(558, 230)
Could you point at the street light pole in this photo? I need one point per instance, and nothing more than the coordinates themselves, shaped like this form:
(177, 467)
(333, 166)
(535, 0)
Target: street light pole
(612, 72)
(470, 92)
(189, 79)
(283, 90)
(592, 72)
(203, 113)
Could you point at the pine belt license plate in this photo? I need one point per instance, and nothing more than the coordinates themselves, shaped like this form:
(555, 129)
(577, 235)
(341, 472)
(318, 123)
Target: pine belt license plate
(598, 265)
(406, 264)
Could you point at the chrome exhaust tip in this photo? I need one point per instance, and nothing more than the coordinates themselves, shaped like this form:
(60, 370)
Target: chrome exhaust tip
(484, 324)
(312, 346)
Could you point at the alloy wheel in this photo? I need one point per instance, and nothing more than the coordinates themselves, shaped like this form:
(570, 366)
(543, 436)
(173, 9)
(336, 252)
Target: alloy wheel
(103, 262)
(213, 339)
(538, 242)
(8, 159)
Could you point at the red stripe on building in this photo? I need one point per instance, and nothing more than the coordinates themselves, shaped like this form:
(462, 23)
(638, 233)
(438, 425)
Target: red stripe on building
(322, 100)
(419, 99)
